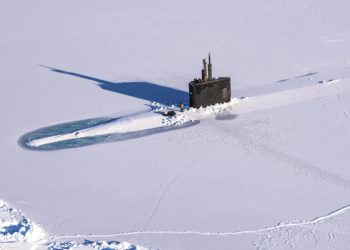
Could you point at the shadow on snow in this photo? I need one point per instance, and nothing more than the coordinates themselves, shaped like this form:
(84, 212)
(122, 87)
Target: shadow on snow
(142, 90)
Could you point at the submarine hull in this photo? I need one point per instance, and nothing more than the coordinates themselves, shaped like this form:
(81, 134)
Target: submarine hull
(210, 92)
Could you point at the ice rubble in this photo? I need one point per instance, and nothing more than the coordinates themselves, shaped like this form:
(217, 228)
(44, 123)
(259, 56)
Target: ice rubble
(98, 245)
(216, 108)
(16, 228)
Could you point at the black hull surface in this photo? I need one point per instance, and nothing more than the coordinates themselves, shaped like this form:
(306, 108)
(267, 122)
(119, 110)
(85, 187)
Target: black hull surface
(210, 92)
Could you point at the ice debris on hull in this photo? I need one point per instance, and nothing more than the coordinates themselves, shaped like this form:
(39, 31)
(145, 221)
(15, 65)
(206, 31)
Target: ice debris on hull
(102, 130)
(216, 108)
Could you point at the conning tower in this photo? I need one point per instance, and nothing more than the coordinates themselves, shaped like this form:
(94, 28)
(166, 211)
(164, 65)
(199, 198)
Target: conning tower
(209, 90)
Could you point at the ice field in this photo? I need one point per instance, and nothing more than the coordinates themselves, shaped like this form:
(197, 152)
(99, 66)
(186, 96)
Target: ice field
(88, 161)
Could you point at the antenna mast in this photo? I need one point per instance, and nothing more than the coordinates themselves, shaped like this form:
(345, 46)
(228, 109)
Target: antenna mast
(210, 72)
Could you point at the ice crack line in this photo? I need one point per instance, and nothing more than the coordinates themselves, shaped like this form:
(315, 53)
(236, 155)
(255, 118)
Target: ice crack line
(256, 231)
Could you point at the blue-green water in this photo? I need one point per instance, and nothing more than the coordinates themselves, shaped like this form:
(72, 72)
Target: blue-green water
(70, 127)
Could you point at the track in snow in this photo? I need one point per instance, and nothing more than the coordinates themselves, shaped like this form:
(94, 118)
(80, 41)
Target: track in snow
(19, 232)
(233, 233)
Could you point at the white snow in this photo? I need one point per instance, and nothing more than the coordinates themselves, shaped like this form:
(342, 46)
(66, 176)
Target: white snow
(15, 227)
(18, 232)
(99, 245)
(268, 171)
(214, 109)
(288, 97)
(130, 123)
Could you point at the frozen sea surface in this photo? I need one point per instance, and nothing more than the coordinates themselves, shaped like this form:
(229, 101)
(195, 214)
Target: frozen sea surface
(274, 177)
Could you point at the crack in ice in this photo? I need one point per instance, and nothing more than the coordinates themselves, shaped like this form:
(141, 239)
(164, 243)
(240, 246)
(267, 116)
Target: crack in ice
(255, 231)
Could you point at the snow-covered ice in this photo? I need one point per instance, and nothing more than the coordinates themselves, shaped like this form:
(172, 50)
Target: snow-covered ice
(18, 232)
(267, 171)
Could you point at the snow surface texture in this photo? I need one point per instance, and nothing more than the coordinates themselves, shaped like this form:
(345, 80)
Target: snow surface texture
(17, 232)
(269, 173)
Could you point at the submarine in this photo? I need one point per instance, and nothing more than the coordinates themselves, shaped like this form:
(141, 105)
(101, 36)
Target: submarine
(209, 90)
